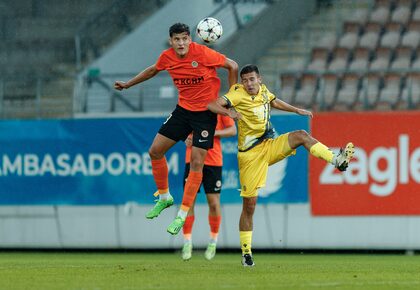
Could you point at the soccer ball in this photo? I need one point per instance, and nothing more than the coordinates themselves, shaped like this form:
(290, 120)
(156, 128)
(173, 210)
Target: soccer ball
(209, 29)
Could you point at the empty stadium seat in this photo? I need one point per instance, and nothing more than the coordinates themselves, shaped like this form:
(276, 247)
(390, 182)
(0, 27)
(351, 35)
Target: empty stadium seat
(403, 58)
(361, 59)
(410, 96)
(382, 59)
(328, 91)
(319, 60)
(340, 60)
(390, 93)
(288, 85)
(401, 14)
(380, 15)
(391, 38)
(412, 36)
(372, 86)
(348, 92)
(371, 36)
(307, 90)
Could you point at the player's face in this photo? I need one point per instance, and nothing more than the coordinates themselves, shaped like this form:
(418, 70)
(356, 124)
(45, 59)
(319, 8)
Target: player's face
(180, 42)
(251, 82)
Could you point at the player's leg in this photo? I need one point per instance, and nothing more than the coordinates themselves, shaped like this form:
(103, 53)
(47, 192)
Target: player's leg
(215, 219)
(246, 228)
(159, 147)
(189, 222)
(203, 125)
(212, 183)
(319, 150)
(174, 129)
(253, 168)
(187, 231)
(191, 187)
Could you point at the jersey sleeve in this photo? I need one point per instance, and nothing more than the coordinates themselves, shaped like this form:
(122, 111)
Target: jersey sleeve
(270, 95)
(163, 62)
(213, 58)
(233, 97)
(227, 121)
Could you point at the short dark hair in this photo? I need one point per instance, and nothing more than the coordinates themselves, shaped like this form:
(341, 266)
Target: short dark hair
(249, 68)
(178, 28)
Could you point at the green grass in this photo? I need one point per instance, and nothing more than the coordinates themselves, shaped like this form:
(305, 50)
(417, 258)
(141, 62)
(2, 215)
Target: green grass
(57, 270)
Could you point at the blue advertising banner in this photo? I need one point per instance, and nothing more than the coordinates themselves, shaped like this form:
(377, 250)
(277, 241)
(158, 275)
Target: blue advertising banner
(106, 161)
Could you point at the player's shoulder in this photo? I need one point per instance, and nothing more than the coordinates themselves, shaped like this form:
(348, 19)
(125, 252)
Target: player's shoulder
(265, 90)
(237, 88)
(167, 53)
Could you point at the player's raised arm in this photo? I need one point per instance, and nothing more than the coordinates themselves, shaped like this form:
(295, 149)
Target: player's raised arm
(219, 106)
(283, 106)
(232, 68)
(144, 75)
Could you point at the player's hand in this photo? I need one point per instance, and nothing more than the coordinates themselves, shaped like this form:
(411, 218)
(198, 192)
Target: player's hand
(304, 113)
(120, 85)
(234, 115)
(188, 141)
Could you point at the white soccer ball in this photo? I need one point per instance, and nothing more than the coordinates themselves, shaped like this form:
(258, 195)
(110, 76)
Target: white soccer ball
(209, 29)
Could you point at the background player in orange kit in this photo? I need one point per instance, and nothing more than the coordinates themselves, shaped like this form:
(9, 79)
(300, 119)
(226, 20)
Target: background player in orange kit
(193, 70)
(212, 185)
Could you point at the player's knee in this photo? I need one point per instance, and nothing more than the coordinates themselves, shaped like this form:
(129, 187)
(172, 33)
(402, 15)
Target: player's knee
(196, 165)
(155, 154)
(249, 206)
(299, 137)
(213, 206)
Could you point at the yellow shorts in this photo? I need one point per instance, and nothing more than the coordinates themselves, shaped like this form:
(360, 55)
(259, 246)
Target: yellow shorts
(253, 164)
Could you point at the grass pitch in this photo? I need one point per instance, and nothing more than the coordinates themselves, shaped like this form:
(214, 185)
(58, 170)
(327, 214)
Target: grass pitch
(60, 270)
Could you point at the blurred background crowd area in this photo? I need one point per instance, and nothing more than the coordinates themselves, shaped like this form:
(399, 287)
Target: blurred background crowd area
(58, 59)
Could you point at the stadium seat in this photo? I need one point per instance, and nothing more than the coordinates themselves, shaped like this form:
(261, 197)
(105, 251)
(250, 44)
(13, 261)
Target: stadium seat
(371, 36)
(380, 15)
(360, 16)
(328, 91)
(288, 85)
(410, 96)
(348, 92)
(412, 36)
(416, 63)
(416, 14)
(350, 37)
(361, 59)
(382, 59)
(372, 86)
(328, 41)
(340, 60)
(319, 60)
(401, 14)
(391, 37)
(403, 58)
(307, 90)
(390, 93)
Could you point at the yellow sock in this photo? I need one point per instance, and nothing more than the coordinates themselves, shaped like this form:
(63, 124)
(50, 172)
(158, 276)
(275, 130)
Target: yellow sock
(246, 239)
(321, 151)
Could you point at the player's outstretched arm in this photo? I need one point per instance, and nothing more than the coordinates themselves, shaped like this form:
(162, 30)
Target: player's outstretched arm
(283, 106)
(146, 74)
(232, 68)
(219, 106)
(226, 132)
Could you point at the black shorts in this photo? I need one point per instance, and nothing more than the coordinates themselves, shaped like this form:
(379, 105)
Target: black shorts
(212, 178)
(182, 122)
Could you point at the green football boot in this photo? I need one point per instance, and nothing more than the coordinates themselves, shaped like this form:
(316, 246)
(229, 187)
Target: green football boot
(176, 225)
(187, 251)
(159, 207)
(210, 251)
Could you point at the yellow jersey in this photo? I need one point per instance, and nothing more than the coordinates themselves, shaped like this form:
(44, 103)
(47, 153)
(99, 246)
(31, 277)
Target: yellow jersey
(255, 124)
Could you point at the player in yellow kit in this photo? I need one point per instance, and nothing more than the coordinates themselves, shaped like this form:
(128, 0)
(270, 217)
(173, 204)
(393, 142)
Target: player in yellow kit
(250, 102)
